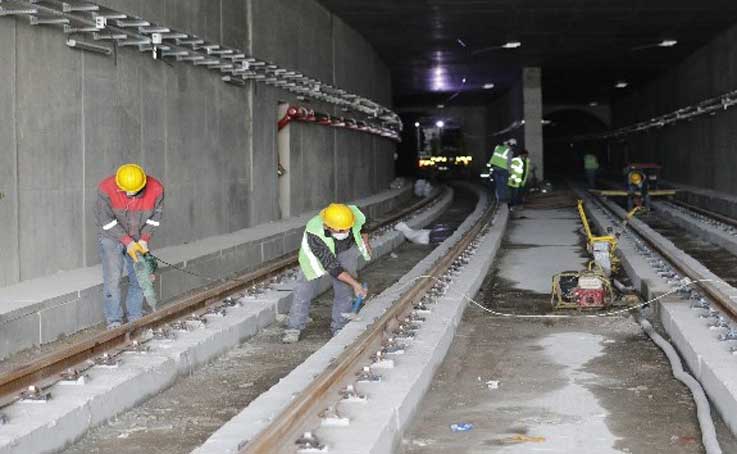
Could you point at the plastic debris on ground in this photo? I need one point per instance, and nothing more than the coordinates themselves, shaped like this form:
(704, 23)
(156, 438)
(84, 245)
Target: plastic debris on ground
(461, 427)
(415, 236)
(492, 384)
(423, 188)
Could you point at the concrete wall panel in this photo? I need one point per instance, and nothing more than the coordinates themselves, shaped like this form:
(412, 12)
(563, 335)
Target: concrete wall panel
(50, 153)
(74, 117)
(699, 152)
(8, 157)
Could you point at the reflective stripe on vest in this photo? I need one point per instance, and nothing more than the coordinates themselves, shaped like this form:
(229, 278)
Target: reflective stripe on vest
(500, 156)
(309, 263)
(516, 173)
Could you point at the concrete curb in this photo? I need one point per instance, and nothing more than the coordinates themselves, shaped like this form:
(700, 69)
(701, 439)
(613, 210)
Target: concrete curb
(243, 427)
(708, 359)
(74, 409)
(697, 228)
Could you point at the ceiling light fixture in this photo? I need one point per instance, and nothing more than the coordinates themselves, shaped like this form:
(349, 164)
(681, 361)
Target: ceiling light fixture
(464, 80)
(668, 43)
(593, 104)
(621, 84)
(417, 124)
(441, 106)
(440, 123)
(512, 45)
(488, 86)
(460, 41)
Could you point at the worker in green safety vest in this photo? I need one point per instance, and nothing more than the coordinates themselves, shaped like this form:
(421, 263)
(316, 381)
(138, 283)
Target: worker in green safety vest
(518, 173)
(591, 168)
(330, 246)
(499, 164)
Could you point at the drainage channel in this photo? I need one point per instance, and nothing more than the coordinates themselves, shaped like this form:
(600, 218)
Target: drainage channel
(575, 385)
(185, 415)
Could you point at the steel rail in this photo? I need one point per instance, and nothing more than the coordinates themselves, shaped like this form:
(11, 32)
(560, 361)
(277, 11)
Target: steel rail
(676, 258)
(44, 371)
(303, 411)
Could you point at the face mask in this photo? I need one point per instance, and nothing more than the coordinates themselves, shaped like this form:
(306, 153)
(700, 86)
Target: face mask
(340, 236)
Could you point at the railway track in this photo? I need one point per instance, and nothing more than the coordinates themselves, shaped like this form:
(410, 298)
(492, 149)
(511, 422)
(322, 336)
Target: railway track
(33, 379)
(290, 430)
(723, 295)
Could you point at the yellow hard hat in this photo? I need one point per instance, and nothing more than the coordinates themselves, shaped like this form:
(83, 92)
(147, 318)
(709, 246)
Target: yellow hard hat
(130, 178)
(635, 178)
(338, 216)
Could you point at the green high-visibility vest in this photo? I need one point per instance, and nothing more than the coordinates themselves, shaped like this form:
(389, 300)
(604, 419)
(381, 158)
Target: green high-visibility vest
(308, 262)
(500, 156)
(590, 162)
(516, 173)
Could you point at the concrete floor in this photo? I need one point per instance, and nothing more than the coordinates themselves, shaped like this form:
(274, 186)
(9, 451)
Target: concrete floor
(182, 417)
(554, 386)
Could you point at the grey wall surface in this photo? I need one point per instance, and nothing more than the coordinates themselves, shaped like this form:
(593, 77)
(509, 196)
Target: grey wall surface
(701, 152)
(68, 119)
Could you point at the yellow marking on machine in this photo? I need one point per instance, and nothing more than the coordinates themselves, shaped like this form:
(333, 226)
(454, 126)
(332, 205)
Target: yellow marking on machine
(590, 237)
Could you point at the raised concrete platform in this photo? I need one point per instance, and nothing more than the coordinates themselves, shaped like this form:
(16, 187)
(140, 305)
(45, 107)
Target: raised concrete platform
(73, 409)
(713, 232)
(39, 311)
(719, 202)
(708, 359)
(378, 428)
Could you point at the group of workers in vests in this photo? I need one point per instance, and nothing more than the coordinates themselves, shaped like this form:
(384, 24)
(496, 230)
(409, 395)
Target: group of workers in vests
(510, 168)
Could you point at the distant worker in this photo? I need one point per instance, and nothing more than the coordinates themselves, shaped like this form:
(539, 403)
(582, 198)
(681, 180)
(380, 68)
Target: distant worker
(591, 168)
(637, 188)
(330, 246)
(500, 162)
(129, 209)
(519, 171)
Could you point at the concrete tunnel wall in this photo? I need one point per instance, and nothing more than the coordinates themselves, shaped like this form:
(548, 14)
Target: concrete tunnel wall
(69, 118)
(701, 152)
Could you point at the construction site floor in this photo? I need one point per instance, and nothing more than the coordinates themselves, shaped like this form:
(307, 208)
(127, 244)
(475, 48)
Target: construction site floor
(578, 385)
(181, 418)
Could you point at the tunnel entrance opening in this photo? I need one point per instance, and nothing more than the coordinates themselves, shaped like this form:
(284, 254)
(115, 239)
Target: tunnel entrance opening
(564, 157)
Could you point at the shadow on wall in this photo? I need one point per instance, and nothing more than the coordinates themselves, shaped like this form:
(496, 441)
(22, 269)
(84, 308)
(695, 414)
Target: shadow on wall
(563, 159)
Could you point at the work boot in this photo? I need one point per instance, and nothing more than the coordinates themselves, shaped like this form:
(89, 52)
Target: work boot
(291, 336)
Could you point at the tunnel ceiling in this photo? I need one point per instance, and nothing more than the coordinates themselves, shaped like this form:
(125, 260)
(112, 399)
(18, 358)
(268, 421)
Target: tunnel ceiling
(583, 46)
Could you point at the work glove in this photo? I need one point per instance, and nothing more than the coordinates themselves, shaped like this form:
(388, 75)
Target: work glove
(134, 249)
(144, 245)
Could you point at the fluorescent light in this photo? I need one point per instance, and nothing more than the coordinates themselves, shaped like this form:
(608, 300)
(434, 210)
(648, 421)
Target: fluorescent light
(545, 122)
(488, 86)
(440, 124)
(621, 84)
(417, 124)
(441, 106)
(668, 43)
(460, 41)
(593, 104)
(512, 45)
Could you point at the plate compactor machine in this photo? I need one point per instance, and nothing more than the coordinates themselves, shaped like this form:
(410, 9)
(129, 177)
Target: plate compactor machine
(593, 288)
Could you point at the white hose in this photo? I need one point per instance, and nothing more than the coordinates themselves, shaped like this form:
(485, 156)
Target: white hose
(708, 433)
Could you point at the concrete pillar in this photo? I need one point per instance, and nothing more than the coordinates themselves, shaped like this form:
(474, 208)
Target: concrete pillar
(532, 101)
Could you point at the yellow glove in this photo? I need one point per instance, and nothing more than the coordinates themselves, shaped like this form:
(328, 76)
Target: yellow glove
(144, 246)
(134, 249)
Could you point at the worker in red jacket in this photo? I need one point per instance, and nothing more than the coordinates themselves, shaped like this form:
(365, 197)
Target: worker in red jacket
(128, 212)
